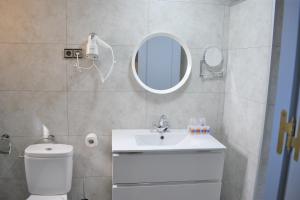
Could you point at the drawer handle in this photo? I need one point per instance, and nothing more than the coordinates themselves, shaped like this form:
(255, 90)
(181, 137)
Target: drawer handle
(116, 154)
(163, 183)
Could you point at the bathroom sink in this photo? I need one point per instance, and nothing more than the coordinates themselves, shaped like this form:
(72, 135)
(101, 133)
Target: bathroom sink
(145, 140)
(157, 139)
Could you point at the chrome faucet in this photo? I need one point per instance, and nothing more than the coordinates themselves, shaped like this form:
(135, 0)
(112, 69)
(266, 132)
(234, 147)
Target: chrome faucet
(163, 124)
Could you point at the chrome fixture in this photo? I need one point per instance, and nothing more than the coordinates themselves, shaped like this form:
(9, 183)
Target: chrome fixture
(5, 144)
(163, 124)
(213, 65)
(48, 139)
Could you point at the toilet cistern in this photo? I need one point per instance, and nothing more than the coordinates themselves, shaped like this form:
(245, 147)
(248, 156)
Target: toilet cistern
(48, 170)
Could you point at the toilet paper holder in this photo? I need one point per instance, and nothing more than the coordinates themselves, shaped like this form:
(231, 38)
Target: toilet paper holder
(91, 140)
(5, 144)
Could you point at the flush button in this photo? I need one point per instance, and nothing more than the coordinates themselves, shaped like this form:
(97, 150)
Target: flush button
(48, 149)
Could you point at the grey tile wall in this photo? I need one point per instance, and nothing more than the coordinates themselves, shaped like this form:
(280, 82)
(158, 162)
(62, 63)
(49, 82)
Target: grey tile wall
(33, 21)
(32, 67)
(245, 102)
(117, 22)
(275, 61)
(248, 74)
(23, 113)
(250, 23)
(38, 87)
(204, 19)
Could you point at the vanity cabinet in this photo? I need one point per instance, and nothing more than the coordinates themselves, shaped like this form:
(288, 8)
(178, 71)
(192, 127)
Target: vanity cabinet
(167, 176)
(189, 169)
(183, 191)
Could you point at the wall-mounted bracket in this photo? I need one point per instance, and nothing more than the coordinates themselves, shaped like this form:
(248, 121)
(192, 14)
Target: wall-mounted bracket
(212, 66)
(210, 75)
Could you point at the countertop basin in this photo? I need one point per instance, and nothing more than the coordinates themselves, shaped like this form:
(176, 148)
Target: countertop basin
(159, 139)
(142, 140)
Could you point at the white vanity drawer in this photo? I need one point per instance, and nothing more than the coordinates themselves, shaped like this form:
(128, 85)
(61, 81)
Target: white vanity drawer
(195, 191)
(167, 167)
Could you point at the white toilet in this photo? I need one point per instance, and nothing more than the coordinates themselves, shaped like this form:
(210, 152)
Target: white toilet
(48, 171)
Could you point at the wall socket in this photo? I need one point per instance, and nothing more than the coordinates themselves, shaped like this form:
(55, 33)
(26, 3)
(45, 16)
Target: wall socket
(71, 53)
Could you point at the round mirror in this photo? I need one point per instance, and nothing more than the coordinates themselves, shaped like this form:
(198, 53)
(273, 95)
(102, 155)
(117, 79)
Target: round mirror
(213, 57)
(162, 63)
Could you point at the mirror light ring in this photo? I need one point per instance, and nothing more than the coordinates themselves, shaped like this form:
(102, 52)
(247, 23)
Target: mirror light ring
(188, 68)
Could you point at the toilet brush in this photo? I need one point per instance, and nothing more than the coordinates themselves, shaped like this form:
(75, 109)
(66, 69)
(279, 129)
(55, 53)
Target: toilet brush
(83, 190)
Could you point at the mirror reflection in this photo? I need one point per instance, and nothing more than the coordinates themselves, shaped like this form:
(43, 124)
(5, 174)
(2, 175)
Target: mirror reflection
(161, 63)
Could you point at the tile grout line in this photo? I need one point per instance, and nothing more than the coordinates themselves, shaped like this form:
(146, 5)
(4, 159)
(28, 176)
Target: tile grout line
(225, 29)
(147, 15)
(113, 91)
(33, 43)
(67, 75)
(226, 45)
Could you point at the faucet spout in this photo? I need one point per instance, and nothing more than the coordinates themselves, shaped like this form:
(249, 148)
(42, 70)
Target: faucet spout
(163, 124)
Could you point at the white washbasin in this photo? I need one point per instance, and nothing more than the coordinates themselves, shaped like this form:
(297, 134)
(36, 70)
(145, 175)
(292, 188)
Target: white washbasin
(145, 140)
(157, 139)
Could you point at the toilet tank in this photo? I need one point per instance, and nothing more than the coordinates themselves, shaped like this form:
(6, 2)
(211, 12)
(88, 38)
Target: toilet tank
(49, 168)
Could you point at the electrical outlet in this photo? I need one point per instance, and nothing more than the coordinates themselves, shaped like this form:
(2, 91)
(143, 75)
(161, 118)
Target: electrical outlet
(79, 51)
(68, 53)
(72, 53)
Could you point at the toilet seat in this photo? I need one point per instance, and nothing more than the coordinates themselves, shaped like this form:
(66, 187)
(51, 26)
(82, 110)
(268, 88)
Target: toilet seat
(55, 197)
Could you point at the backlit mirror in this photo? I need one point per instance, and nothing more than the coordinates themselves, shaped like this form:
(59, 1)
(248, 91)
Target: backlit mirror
(162, 63)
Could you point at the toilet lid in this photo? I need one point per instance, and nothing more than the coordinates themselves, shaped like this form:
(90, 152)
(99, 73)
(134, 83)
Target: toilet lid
(56, 197)
(49, 150)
